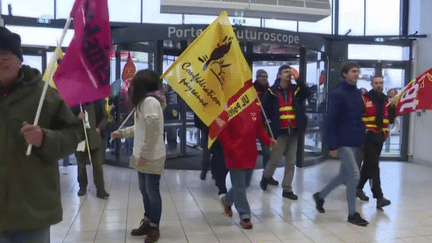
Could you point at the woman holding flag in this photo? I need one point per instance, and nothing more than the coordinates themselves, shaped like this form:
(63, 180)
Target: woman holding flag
(149, 154)
(239, 142)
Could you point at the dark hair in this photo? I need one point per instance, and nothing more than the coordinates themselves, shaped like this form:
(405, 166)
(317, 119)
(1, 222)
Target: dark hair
(346, 67)
(142, 83)
(283, 67)
(376, 76)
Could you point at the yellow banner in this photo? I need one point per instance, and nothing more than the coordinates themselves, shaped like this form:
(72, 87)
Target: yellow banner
(210, 71)
(52, 66)
(242, 102)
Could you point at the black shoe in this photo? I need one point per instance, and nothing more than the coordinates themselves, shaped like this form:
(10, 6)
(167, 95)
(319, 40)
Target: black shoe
(382, 202)
(273, 182)
(203, 175)
(357, 220)
(319, 203)
(82, 192)
(102, 194)
(143, 229)
(263, 183)
(361, 195)
(289, 195)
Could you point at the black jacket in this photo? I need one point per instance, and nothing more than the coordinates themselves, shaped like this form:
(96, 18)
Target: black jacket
(271, 106)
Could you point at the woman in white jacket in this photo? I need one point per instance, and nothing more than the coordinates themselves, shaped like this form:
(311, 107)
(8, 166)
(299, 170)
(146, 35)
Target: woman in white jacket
(149, 153)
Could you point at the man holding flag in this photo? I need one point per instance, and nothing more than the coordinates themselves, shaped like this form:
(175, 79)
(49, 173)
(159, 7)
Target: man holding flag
(83, 77)
(30, 185)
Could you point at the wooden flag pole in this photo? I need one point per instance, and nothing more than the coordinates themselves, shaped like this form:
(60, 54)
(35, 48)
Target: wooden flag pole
(50, 74)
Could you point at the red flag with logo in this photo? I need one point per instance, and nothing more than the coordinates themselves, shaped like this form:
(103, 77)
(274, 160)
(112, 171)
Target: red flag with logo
(84, 73)
(417, 95)
(129, 71)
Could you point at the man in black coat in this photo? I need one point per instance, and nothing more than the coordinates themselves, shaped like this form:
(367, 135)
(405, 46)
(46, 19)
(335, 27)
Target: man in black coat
(284, 106)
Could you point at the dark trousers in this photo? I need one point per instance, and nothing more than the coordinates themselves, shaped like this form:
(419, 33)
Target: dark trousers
(372, 147)
(217, 166)
(149, 187)
(82, 159)
(205, 162)
(41, 235)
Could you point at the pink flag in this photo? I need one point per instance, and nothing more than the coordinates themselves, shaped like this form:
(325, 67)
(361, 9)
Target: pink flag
(84, 73)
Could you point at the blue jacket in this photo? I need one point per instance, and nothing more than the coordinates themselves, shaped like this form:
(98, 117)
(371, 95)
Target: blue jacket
(271, 106)
(345, 127)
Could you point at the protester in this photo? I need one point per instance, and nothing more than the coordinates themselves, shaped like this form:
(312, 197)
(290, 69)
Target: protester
(30, 185)
(261, 85)
(238, 139)
(380, 111)
(284, 106)
(95, 119)
(345, 134)
(148, 156)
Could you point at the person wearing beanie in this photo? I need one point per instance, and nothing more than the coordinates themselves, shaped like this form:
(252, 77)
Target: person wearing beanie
(261, 85)
(30, 185)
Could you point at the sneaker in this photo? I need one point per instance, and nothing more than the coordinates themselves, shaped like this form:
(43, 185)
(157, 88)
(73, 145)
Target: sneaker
(143, 229)
(289, 195)
(82, 191)
(273, 182)
(227, 208)
(382, 202)
(263, 183)
(152, 235)
(357, 220)
(102, 194)
(319, 203)
(246, 224)
(361, 195)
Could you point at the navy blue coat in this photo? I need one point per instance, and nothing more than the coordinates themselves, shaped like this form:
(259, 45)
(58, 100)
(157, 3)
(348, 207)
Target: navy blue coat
(271, 106)
(345, 126)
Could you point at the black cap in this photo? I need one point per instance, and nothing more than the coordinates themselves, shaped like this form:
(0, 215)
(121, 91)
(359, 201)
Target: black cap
(10, 42)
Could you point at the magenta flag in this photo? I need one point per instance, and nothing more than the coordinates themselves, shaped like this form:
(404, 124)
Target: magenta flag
(84, 73)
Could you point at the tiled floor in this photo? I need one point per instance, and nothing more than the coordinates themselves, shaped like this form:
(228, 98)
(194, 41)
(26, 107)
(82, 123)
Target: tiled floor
(192, 213)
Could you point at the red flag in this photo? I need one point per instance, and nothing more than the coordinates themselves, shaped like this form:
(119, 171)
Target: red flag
(129, 71)
(84, 73)
(417, 95)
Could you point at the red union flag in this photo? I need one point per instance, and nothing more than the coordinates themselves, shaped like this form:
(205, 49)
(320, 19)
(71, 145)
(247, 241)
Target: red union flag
(417, 95)
(84, 73)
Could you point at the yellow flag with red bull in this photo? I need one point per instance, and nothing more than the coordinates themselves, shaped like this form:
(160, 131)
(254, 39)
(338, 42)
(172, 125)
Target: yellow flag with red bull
(213, 77)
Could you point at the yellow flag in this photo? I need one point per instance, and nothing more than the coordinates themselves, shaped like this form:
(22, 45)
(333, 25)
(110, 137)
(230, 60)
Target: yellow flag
(211, 71)
(52, 66)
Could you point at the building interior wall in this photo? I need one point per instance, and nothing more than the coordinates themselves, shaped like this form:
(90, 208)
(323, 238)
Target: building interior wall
(422, 129)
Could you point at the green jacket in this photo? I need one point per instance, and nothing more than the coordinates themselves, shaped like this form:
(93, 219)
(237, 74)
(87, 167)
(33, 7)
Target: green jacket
(97, 119)
(30, 185)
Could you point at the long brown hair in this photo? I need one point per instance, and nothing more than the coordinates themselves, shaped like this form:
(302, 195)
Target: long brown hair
(143, 82)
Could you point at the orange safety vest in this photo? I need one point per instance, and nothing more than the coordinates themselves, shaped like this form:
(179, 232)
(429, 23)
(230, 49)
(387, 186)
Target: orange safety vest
(286, 110)
(369, 117)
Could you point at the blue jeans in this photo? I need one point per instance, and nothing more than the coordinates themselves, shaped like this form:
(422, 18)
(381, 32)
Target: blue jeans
(349, 174)
(149, 187)
(240, 180)
(41, 235)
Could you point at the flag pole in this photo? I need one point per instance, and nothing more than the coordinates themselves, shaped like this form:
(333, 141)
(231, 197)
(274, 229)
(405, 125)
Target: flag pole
(50, 74)
(125, 120)
(86, 137)
(265, 118)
